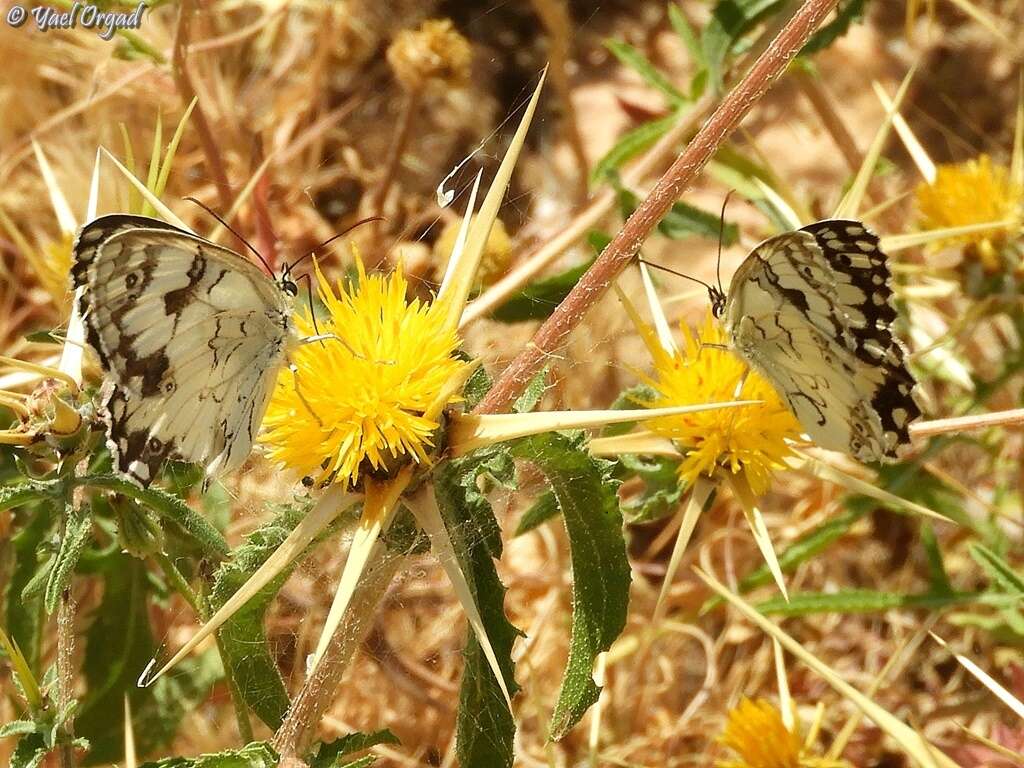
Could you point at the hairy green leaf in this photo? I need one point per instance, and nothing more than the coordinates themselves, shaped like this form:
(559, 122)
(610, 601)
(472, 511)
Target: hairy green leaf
(586, 495)
(329, 754)
(170, 508)
(538, 299)
(21, 494)
(77, 528)
(640, 64)
(242, 638)
(542, 510)
(259, 754)
(485, 725)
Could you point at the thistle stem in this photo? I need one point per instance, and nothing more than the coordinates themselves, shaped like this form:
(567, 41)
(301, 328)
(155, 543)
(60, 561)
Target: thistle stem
(621, 251)
(296, 733)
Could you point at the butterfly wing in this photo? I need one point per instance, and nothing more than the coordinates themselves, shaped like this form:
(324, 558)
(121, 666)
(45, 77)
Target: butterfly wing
(811, 310)
(191, 336)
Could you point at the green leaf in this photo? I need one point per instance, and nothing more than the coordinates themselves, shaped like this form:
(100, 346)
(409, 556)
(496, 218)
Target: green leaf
(22, 494)
(30, 752)
(330, 753)
(859, 601)
(534, 391)
(630, 145)
(662, 489)
(23, 616)
(538, 299)
(586, 495)
(1008, 581)
(937, 576)
(17, 728)
(259, 754)
(542, 510)
(484, 723)
(171, 509)
(76, 535)
(730, 20)
(119, 644)
(242, 638)
(686, 34)
(640, 64)
(850, 12)
(684, 220)
(998, 569)
(477, 387)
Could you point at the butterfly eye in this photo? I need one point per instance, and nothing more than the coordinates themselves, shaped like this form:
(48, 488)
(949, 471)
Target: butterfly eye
(290, 288)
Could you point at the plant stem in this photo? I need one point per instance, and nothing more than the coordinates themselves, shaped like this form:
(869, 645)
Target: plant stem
(296, 733)
(65, 670)
(823, 105)
(620, 252)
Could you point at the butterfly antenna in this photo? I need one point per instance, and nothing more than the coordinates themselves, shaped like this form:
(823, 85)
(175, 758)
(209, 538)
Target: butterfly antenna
(674, 272)
(721, 235)
(330, 240)
(231, 229)
(309, 295)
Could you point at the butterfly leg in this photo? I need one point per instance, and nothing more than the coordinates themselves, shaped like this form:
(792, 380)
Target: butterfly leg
(298, 391)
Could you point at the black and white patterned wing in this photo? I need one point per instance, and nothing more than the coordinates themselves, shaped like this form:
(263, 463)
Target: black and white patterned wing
(191, 336)
(814, 316)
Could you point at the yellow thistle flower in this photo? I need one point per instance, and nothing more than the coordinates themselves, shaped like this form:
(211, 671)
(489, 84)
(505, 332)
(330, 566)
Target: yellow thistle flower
(757, 734)
(974, 192)
(353, 406)
(751, 440)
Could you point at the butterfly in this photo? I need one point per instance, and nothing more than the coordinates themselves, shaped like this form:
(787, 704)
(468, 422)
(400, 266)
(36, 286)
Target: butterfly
(191, 336)
(812, 312)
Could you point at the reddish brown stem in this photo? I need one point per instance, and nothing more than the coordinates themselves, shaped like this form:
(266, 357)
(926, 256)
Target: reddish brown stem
(620, 252)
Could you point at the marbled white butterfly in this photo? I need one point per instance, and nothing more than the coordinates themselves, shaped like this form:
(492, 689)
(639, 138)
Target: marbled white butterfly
(812, 312)
(191, 335)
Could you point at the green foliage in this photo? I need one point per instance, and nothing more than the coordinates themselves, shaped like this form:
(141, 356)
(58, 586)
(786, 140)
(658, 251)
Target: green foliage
(586, 496)
(330, 754)
(23, 613)
(485, 725)
(38, 737)
(542, 510)
(683, 220)
(639, 63)
(537, 300)
(631, 144)
(860, 601)
(259, 754)
(849, 13)
(78, 526)
(170, 508)
(118, 646)
(730, 21)
(242, 638)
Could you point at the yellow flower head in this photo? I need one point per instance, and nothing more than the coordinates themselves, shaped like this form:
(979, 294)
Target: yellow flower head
(757, 734)
(974, 192)
(356, 404)
(751, 439)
